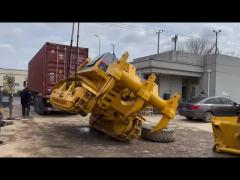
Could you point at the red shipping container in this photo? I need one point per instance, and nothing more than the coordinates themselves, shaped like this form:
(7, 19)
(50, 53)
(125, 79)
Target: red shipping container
(49, 66)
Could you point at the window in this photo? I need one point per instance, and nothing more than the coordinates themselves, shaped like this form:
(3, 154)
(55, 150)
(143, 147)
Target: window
(213, 101)
(92, 62)
(106, 58)
(226, 101)
(103, 66)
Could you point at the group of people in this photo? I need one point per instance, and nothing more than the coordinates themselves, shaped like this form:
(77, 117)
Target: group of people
(25, 102)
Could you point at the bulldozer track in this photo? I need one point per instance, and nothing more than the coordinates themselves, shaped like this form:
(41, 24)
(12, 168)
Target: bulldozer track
(129, 136)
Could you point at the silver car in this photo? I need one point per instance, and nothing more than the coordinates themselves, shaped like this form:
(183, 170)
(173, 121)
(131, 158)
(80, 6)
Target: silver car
(204, 108)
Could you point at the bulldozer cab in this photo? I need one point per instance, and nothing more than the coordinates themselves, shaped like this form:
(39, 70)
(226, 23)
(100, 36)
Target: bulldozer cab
(106, 59)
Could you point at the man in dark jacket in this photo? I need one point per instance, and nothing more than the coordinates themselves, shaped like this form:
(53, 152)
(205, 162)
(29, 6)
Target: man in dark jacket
(25, 101)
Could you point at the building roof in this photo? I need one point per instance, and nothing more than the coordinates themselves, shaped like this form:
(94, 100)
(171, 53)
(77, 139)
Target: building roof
(14, 71)
(167, 55)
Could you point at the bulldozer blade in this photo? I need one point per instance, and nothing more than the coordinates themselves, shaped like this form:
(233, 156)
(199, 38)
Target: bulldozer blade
(226, 131)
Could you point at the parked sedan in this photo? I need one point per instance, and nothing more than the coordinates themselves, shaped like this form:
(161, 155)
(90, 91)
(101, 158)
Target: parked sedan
(205, 108)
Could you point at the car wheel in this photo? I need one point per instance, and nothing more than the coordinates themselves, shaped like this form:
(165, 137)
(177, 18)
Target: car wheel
(207, 117)
(188, 117)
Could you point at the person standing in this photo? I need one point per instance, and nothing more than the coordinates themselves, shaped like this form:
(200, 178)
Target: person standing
(25, 102)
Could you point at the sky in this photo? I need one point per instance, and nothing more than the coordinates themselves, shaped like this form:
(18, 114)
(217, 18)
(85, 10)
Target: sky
(19, 42)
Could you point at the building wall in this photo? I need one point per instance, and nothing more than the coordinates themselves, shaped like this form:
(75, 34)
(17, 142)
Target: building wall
(209, 63)
(169, 84)
(182, 64)
(20, 77)
(182, 69)
(227, 77)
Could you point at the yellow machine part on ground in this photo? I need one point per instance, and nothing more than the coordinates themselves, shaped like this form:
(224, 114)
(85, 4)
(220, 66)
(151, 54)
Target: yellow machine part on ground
(226, 132)
(114, 95)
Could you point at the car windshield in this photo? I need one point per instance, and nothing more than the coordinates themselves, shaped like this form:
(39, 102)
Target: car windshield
(195, 100)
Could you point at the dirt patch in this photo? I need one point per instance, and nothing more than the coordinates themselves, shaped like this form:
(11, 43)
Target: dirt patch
(70, 136)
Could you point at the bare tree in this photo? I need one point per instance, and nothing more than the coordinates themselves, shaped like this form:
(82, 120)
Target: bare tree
(9, 85)
(181, 48)
(199, 46)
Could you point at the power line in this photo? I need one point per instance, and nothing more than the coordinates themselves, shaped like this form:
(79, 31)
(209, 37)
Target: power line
(138, 28)
(127, 27)
(124, 26)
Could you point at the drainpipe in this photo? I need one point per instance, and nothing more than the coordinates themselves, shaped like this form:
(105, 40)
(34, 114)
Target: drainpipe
(209, 76)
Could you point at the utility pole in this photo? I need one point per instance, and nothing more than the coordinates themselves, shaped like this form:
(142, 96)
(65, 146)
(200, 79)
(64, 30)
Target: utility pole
(216, 47)
(174, 39)
(99, 43)
(158, 33)
(113, 48)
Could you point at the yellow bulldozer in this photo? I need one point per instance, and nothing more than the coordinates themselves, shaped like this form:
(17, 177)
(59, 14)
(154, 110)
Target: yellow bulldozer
(226, 131)
(110, 89)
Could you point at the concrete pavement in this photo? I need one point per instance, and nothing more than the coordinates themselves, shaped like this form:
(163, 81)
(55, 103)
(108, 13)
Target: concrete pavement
(183, 122)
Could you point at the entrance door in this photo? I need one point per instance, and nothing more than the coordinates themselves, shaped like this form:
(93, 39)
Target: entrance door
(184, 93)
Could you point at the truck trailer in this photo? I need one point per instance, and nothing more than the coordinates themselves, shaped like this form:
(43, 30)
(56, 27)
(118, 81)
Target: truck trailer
(46, 68)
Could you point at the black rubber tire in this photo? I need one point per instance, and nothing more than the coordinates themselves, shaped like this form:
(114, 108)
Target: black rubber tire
(188, 117)
(35, 105)
(41, 109)
(207, 117)
(40, 106)
(164, 136)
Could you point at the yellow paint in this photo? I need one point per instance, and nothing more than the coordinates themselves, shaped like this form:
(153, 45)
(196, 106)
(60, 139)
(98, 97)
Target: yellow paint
(115, 98)
(226, 131)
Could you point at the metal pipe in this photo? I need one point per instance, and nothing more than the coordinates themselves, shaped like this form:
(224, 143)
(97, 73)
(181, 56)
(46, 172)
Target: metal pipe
(57, 66)
(70, 53)
(209, 73)
(135, 85)
(65, 55)
(77, 54)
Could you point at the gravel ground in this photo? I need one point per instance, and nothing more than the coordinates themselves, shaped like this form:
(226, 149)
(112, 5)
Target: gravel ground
(59, 135)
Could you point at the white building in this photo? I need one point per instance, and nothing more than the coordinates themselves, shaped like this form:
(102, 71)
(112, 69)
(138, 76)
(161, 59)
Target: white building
(188, 74)
(20, 77)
